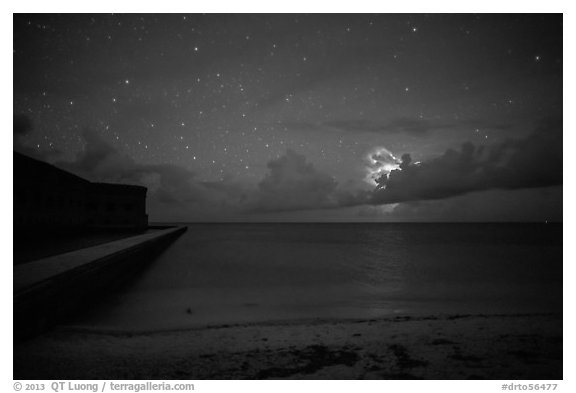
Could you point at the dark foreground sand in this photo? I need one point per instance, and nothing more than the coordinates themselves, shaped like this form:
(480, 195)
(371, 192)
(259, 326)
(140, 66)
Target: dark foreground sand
(433, 347)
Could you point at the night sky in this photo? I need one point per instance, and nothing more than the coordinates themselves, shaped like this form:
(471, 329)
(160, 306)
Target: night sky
(286, 117)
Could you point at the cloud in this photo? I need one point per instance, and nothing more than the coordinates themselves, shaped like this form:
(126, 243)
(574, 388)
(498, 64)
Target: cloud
(533, 204)
(531, 162)
(23, 127)
(379, 161)
(173, 191)
(100, 161)
(534, 161)
(400, 125)
(406, 125)
(22, 124)
(293, 183)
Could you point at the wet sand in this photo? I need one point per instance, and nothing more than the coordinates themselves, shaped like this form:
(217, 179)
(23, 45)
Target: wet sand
(404, 347)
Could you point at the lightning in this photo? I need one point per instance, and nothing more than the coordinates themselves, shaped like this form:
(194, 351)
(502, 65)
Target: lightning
(379, 161)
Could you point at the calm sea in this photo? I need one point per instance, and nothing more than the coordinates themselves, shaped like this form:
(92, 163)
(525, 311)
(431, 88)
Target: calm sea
(237, 273)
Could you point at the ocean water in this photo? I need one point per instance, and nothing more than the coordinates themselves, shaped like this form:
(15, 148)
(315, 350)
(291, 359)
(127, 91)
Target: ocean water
(244, 273)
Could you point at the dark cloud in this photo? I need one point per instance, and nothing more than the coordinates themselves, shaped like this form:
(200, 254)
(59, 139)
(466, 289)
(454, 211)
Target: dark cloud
(531, 162)
(22, 125)
(168, 185)
(399, 125)
(483, 125)
(293, 183)
(537, 204)
(405, 125)
(534, 161)
(100, 161)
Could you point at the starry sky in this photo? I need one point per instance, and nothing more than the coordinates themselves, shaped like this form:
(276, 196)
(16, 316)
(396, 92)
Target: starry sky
(287, 117)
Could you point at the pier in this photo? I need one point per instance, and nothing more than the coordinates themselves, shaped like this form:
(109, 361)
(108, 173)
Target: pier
(49, 289)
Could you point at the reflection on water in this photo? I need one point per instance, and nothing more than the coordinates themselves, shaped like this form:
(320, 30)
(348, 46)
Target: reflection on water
(235, 273)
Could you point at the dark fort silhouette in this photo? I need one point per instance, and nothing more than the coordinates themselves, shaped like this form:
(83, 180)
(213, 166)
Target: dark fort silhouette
(49, 198)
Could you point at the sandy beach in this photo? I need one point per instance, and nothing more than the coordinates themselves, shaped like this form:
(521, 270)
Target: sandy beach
(512, 346)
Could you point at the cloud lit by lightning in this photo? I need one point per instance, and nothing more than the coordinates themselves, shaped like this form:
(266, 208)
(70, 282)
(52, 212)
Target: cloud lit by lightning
(380, 161)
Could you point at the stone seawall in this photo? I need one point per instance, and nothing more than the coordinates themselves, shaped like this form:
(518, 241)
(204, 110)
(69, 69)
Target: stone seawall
(48, 290)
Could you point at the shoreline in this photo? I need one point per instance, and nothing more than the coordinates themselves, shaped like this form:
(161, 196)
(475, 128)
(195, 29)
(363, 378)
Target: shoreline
(402, 317)
(457, 346)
